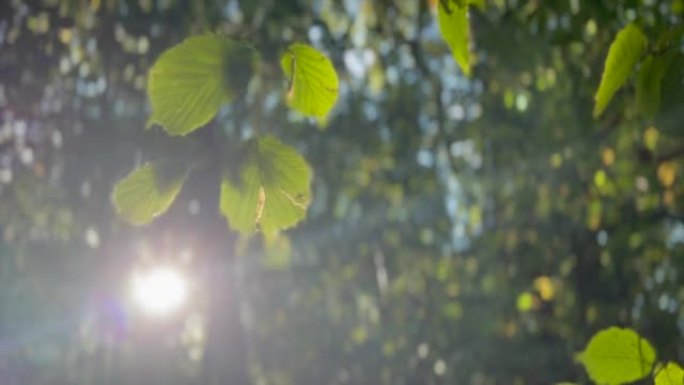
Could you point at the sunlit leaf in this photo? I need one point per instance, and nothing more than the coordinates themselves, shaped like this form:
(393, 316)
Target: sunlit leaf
(147, 192)
(649, 78)
(313, 81)
(623, 54)
(455, 28)
(617, 356)
(271, 190)
(189, 82)
(671, 374)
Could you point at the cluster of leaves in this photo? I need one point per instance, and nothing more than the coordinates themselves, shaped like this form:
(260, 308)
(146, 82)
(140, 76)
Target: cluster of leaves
(269, 188)
(616, 356)
(545, 202)
(654, 59)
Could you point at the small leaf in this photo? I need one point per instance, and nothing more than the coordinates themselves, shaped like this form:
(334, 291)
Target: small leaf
(455, 29)
(147, 192)
(189, 82)
(314, 85)
(649, 79)
(623, 54)
(271, 191)
(616, 356)
(671, 374)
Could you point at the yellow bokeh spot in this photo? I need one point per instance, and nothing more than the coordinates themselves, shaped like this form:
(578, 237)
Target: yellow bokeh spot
(591, 28)
(556, 160)
(591, 314)
(608, 156)
(359, 335)
(65, 35)
(544, 285)
(600, 178)
(667, 172)
(510, 329)
(651, 138)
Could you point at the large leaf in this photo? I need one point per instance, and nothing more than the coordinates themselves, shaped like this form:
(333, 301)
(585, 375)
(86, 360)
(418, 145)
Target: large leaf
(671, 374)
(313, 81)
(147, 192)
(455, 28)
(189, 82)
(270, 191)
(623, 54)
(616, 356)
(649, 78)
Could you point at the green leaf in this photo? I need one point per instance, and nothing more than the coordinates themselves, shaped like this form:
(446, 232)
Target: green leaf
(671, 374)
(189, 82)
(649, 79)
(314, 85)
(623, 54)
(147, 192)
(616, 356)
(455, 29)
(271, 190)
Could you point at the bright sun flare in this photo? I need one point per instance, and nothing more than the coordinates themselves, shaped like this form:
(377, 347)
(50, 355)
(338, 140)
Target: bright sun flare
(160, 290)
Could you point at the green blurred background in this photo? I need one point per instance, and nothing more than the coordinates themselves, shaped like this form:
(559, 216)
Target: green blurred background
(462, 231)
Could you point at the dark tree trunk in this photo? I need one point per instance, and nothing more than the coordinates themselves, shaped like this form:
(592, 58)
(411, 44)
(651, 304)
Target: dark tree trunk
(225, 358)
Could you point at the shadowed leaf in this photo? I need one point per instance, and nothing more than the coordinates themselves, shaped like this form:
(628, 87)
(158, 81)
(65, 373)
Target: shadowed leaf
(147, 192)
(189, 82)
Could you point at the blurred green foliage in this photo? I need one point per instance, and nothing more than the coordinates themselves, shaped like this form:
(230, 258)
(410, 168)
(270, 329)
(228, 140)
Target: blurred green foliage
(461, 230)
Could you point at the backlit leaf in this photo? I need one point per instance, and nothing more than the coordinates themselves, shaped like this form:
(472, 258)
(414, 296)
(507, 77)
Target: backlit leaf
(455, 28)
(147, 192)
(617, 356)
(313, 81)
(270, 192)
(189, 82)
(671, 374)
(623, 54)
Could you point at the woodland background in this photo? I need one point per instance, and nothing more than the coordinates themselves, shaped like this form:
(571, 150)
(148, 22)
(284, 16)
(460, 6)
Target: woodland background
(462, 230)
